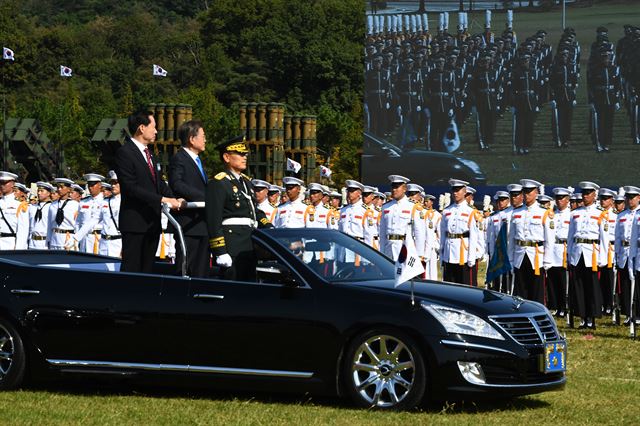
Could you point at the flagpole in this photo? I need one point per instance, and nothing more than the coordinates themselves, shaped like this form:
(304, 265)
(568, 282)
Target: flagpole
(5, 144)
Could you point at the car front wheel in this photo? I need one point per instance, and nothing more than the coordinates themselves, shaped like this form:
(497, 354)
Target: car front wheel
(384, 369)
(12, 357)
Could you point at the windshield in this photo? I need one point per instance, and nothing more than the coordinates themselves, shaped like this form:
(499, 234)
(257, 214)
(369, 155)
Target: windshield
(335, 256)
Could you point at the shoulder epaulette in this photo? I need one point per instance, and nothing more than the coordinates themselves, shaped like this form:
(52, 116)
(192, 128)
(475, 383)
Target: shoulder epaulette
(245, 176)
(220, 176)
(550, 213)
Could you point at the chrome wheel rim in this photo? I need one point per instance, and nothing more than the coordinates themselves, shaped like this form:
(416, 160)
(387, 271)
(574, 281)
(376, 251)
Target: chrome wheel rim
(383, 371)
(6, 352)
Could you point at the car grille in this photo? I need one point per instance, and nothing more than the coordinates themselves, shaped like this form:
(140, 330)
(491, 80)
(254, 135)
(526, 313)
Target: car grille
(528, 329)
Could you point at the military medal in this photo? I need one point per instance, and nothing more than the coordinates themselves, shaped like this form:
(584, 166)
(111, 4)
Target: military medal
(430, 225)
(551, 225)
(238, 204)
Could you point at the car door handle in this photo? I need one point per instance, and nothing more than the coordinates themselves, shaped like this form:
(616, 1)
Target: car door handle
(24, 291)
(208, 296)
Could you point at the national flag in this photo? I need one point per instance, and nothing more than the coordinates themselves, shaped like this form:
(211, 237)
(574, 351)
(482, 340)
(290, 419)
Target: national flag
(408, 264)
(65, 71)
(7, 54)
(293, 166)
(499, 262)
(159, 71)
(325, 172)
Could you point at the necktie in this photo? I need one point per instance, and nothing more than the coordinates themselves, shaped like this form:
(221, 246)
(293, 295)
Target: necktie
(60, 213)
(150, 164)
(199, 163)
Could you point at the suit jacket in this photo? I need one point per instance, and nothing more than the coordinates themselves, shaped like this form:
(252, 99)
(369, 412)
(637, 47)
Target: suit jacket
(140, 206)
(187, 182)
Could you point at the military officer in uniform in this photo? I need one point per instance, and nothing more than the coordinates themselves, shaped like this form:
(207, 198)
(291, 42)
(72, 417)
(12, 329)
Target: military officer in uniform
(499, 218)
(378, 96)
(111, 239)
(353, 216)
(603, 90)
(372, 215)
(607, 270)
(587, 240)
(557, 273)
(261, 189)
(438, 94)
(524, 88)
(626, 247)
(14, 219)
(62, 217)
(294, 213)
(321, 212)
(485, 86)
(432, 219)
(88, 230)
(458, 236)
(563, 83)
(39, 216)
(530, 244)
(231, 213)
(401, 219)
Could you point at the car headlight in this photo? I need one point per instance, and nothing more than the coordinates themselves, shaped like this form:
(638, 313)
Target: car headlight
(456, 321)
(475, 168)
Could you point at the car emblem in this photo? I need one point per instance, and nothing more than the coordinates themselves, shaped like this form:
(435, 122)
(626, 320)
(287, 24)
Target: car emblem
(517, 302)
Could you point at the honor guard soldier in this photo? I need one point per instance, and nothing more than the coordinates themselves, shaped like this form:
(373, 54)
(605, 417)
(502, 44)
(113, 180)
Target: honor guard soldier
(354, 220)
(458, 236)
(372, 215)
(432, 219)
(262, 190)
(557, 273)
(603, 90)
(62, 217)
(484, 88)
(563, 82)
(619, 202)
(14, 219)
(321, 212)
(111, 239)
(531, 240)
(524, 87)
(88, 229)
(231, 213)
(21, 192)
(39, 217)
(401, 218)
(626, 246)
(479, 221)
(77, 192)
(607, 271)
(499, 218)
(335, 198)
(438, 94)
(378, 96)
(294, 213)
(587, 240)
(274, 195)
(575, 201)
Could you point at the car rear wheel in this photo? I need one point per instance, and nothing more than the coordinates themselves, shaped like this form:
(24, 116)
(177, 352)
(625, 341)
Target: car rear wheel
(384, 369)
(12, 357)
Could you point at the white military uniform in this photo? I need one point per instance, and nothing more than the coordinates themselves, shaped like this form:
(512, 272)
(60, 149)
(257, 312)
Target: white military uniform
(626, 223)
(588, 232)
(402, 219)
(59, 234)
(111, 239)
(88, 227)
(494, 224)
(531, 234)
(293, 214)
(333, 218)
(14, 223)
(268, 209)
(610, 255)
(39, 225)
(458, 235)
(561, 220)
(320, 218)
(166, 242)
(432, 219)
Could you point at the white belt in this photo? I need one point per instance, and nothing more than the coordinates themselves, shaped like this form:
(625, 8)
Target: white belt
(240, 221)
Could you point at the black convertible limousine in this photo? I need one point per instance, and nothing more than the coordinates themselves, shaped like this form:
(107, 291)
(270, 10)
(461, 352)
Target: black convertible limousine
(323, 316)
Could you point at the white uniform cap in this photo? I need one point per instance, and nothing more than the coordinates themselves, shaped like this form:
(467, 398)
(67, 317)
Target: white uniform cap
(544, 199)
(514, 187)
(274, 188)
(93, 177)
(77, 187)
(429, 196)
(63, 181)
(606, 192)
(315, 187)
(576, 196)
(588, 185)
(21, 187)
(290, 180)
(457, 182)
(619, 198)
(368, 188)
(8, 176)
(259, 183)
(335, 194)
(414, 187)
(111, 175)
(530, 183)
(561, 192)
(471, 190)
(45, 185)
(349, 183)
(398, 179)
(106, 185)
(500, 194)
(325, 190)
(631, 190)
(380, 195)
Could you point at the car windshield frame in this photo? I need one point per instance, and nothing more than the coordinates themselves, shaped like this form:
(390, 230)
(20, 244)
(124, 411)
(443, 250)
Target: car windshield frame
(372, 265)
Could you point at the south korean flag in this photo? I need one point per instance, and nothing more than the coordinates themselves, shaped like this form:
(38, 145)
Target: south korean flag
(65, 71)
(408, 264)
(7, 54)
(159, 71)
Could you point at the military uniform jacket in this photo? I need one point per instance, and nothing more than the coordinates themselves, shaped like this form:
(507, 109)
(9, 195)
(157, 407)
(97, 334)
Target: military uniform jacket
(59, 234)
(588, 233)
(319, 217)
(14, 223)
(228, 197)
(611, 217)
(109, 211)
(432, 219)
(494, 223)
(333, 218)
(294, 214)
(402, 218)
(408, 89)
(378, 87)
(38, 221)
(439, 91)
(563, 81)
(532, 234)
(459, 235)
(561, 220)
(524, 88)
(625, 222)
(353, 221)
(88, 220)
(603, 85)
(268, 209)
(484, 89)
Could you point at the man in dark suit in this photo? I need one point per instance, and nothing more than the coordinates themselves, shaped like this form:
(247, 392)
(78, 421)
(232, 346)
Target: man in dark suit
(143, 191)
(188, 180)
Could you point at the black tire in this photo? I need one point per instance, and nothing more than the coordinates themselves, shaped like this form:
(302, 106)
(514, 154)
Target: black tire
(12, 357)
(396, 381)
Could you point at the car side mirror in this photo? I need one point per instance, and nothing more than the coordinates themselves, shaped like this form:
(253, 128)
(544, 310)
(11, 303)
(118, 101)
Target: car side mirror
(273, 272)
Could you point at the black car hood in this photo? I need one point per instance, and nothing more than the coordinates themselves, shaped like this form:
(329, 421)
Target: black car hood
(470, 299)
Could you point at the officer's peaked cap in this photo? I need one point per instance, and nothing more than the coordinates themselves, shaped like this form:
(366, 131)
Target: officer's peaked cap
(235, 144)
(544, 198)
(530, 183)
(584, 185)
(457, 182)
(259, 183)
(93, 177)
(63, 181)
(398, 179)
(471, 190)
(368, 188)
(314, 186)
(349, 183)
(561, 192)
(514, 187)
(414, 187)
(290, 180)
(8, 176)
(21, 187)
(631, 190)
(45, 185)
(500, 194)
(606, 192)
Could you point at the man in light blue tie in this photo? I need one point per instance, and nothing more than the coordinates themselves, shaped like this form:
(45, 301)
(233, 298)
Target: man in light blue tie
(188, 177)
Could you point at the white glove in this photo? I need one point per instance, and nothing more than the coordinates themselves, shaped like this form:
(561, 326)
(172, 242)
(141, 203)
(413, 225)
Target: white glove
(575, 103)
(224, 261)
(418, 108)
(387, 105)
(71, 244)
(617, 106)
(537, 109)
(450, 113)
(471, 264)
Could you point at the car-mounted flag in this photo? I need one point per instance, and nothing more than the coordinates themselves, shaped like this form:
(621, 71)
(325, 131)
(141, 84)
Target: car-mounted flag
(7, 54)
(325, 172)
(65, 71)
(293, 166)
(159, 71)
